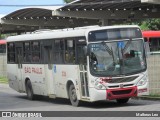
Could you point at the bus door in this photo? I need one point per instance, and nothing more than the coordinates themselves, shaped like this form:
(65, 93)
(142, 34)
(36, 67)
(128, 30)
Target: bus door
(19, 65)
(48, 68)
(82, 60)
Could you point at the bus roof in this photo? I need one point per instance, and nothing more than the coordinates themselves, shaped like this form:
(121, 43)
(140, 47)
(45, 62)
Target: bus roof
(152, 34)
(2, 42)
(63, 33)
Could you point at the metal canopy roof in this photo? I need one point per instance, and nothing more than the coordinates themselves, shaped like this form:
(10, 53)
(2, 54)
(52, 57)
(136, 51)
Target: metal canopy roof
(101, 4)
(82, 13)
(109, 4)
(42, 16)
(33, 12)
(111, 9)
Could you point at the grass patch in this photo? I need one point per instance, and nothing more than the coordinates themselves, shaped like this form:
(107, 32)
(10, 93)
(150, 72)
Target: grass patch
(3, 80)
(154, 95)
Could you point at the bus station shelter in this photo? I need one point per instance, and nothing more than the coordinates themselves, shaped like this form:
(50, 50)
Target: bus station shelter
(79, 13)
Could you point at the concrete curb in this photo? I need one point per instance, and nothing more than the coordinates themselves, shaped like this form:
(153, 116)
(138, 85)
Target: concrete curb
(147, 98)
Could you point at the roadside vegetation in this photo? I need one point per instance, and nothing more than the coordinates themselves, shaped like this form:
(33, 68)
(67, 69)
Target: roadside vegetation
(3, 80)
(154, 95)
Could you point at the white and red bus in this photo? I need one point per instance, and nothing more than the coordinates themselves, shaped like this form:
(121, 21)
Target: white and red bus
(2, 46)
(84, 64)
(153, 39)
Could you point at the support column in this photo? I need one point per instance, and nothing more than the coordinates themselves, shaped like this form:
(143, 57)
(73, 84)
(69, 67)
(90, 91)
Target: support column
(0, 30)
(0, 34)
(104, 22)
(41, 27)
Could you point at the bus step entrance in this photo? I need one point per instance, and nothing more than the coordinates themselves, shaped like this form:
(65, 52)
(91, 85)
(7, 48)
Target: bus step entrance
(84, 81)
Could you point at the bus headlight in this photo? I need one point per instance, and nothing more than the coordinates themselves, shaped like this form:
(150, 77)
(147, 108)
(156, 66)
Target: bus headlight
(142, 81)
(98, 84)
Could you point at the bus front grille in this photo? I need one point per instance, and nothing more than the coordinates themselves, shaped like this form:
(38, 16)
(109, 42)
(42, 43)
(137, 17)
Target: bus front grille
(121, 80)
(117, 86)
(121, 92)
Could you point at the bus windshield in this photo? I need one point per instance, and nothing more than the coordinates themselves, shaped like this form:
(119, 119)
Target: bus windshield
(117, 58)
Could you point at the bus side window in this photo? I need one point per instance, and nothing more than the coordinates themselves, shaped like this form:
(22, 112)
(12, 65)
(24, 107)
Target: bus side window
(70, 51)
(11, 52)
(81, 51)
(58, 52)
(27, 52)
(35, 51)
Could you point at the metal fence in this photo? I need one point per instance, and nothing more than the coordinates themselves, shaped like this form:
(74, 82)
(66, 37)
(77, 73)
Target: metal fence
(153, 61)
(3, 63)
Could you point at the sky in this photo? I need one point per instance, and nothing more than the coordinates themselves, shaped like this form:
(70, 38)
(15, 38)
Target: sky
(6, 10)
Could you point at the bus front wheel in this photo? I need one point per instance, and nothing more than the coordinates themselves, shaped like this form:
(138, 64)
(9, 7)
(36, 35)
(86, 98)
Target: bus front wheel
(122, 101)
(73, 96)
(29, 90)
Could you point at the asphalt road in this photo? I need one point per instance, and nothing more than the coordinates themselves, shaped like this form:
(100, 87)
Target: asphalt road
(11, 100)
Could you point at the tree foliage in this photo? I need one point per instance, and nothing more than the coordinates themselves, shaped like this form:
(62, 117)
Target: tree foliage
(154, 24)
(150, 24)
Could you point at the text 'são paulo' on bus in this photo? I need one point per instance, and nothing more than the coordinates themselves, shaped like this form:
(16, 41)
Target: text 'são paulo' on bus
(83, 64)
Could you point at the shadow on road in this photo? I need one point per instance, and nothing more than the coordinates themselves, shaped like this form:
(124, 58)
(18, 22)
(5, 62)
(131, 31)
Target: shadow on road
(94, 105)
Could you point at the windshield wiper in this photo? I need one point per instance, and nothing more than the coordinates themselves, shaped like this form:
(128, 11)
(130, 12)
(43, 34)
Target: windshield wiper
(126, 46)
(110, 51)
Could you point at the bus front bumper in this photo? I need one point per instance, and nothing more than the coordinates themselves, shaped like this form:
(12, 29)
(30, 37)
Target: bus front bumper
(118, 93)
(121, 93)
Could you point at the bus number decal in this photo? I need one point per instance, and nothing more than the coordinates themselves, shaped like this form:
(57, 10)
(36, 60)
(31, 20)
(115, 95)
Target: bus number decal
(33, 70)
(63, 74)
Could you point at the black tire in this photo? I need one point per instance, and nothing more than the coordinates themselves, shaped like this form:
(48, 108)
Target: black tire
(73, 96)
(29, 91)
(122, 101)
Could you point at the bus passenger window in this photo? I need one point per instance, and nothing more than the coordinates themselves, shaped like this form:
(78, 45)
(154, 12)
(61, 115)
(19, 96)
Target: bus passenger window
(35, 51)
(26, 46)
(11, 52)
(11, 57)
(58, 52)
(11, 47)
(27, 52)
(35, 46)
(70, 51)
(35, 57)
(27, 57)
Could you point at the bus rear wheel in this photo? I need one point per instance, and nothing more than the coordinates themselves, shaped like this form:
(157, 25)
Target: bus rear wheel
(29, 90)
(122, 101)
(73, 96)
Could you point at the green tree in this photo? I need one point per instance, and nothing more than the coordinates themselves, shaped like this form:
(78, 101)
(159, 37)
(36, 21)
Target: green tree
(154, 24)
(68, 1)
(150, 24)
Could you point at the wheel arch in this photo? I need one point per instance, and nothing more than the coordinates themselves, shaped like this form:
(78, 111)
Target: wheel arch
(69, 82)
